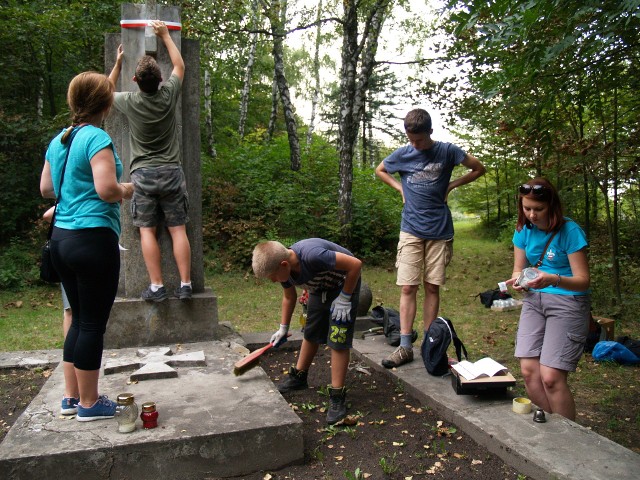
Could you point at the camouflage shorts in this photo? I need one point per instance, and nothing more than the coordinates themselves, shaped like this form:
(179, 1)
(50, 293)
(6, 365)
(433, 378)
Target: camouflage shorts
(159, 191)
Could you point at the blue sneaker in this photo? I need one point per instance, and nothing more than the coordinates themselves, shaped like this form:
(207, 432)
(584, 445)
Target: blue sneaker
(69, 406)
(101, 410)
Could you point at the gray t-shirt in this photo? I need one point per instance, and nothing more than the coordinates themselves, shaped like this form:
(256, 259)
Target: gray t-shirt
(317, 265)
(153, 124)
(425, 176)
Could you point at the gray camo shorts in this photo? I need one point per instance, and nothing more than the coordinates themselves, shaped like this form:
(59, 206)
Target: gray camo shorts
(159, 191)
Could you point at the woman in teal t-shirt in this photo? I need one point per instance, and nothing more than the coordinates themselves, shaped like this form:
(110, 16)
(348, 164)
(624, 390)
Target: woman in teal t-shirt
(556, 307)
(84, 241)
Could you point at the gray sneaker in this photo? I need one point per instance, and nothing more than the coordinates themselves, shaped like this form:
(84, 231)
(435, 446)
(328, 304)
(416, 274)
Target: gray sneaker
(184, 293)
(157, 296)
(400, 356)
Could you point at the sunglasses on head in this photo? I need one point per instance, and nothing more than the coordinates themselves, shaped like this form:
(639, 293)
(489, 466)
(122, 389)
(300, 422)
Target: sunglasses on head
(537, 190)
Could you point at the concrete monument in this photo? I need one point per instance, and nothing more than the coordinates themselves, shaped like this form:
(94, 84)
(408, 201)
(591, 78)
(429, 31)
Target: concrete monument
(134, 322)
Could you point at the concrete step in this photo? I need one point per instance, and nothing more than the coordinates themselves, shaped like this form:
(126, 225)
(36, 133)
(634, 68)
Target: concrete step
(211, 424)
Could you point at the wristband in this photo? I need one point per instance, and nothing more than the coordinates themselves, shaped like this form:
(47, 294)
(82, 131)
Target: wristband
(557, 281)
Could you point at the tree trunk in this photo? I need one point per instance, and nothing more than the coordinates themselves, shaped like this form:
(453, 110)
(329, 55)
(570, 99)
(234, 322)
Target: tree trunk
(246, 88)
(211, 149)
(316, 78)
(274, 109)
(353, 88)
(277, 16)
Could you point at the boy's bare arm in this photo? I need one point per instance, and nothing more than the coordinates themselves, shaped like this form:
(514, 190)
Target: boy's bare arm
(353, 267)
(389, 179)
(161, 30)
(476, 170)
(115, 72)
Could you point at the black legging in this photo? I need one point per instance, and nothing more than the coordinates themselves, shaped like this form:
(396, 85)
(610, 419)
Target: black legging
(88, 262)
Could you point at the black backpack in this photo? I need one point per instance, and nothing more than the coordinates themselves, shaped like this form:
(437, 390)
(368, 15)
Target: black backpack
(435, 344)
(389, 318)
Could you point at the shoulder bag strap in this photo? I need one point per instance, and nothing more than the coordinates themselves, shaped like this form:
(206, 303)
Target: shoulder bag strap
(544, 250)
(64, 168)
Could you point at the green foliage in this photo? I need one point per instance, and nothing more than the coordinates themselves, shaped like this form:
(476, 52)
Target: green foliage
(251, 194)
(18, 267)
(357, 474)
(389, 465)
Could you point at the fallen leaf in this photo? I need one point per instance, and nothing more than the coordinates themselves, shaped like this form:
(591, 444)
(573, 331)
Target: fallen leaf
(476, 462)
(339, 458)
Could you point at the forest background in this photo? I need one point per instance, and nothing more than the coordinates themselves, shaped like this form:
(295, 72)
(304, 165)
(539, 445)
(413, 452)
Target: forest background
(536, 87)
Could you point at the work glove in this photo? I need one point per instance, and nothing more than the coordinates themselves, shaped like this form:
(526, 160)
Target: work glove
(280, 336)
(340, 309)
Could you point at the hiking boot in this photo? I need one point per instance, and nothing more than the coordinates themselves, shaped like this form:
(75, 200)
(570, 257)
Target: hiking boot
(184, 293)
(296, 380)
(157, 296)
(337, 405)
(400, 356)
(69, 406)
(101, 410)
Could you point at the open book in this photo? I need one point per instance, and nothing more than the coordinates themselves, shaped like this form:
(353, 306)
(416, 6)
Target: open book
(485, 367)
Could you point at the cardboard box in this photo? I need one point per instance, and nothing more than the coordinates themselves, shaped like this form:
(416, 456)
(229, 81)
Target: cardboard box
(608, 328)
(485, 385)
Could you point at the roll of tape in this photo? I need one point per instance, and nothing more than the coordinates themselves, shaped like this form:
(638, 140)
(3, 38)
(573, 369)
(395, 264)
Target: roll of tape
(521, 405)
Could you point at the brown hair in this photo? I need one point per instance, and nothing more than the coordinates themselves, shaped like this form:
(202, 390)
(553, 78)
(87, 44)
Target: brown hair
(548, 195)
(417, 121)
(89, 93)
(148, 75)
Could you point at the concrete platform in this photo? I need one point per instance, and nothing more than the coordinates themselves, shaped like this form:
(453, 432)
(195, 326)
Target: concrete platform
(211, 424)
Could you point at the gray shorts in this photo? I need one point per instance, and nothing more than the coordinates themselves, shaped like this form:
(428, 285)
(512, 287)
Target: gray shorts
(159, 191)
(553, 328)
(320, 328)
(65, 300)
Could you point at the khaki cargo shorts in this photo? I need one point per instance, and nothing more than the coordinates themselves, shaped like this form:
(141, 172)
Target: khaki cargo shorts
(419, 260)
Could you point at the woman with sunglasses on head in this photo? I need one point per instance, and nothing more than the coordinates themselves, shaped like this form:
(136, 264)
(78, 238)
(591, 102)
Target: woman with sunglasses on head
(556, 307)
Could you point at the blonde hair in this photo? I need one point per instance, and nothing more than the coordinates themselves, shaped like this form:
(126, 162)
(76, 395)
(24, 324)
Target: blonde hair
(267, 257)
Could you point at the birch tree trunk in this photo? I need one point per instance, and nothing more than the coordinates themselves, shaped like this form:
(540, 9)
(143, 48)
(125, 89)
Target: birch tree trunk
(353, 88)
(277, 16)
(246, 88)
(316, 76)
(211, 149)
(274, 109)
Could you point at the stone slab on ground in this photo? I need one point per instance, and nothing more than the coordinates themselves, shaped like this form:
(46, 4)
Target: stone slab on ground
(211, 424)
(556, 449)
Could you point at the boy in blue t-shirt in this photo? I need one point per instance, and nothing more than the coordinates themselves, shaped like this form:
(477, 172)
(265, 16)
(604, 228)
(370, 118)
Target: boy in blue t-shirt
(331, 275)
(425, 246)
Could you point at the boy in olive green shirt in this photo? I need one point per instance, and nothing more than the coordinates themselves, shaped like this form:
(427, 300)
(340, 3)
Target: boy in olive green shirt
(156, 170)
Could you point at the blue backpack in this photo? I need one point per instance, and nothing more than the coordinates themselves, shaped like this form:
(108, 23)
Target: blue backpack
(435, 344)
